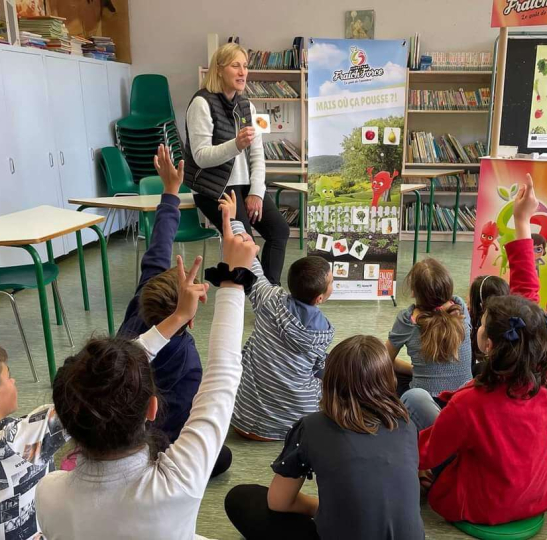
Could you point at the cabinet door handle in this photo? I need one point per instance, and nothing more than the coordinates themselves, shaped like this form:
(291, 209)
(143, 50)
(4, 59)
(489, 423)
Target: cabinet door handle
(50, 159)
(92, 150)
(62, 156)
(12, 165)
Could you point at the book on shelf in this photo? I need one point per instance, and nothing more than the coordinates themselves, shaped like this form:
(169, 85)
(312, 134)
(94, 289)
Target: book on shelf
(414, 52)
(76, 44)
(281, 150)
(100, 48)
(45, 33)
(469, 182)
(461, 61)
(290, 214)
(422, 147)
(449, 100)
(274, 90)
(29, 39)
(443, 218)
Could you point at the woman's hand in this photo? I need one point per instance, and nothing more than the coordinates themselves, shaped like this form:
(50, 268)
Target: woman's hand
(245, 138)
(253, 204)
(230, 202)
(172, 178)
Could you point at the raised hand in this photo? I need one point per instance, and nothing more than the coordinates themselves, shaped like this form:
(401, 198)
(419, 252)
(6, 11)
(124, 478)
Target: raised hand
(230, 202)
(526, 205)
(172, 178)
(238, 251)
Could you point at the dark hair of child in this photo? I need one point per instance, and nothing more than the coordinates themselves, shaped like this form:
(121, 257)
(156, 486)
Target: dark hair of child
(308, 278)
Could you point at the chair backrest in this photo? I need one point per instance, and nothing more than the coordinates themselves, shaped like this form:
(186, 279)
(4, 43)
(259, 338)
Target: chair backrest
(117, 172)
(189, 218)
(150, 96)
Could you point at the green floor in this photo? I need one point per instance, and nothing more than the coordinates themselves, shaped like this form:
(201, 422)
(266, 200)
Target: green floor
(251, 460)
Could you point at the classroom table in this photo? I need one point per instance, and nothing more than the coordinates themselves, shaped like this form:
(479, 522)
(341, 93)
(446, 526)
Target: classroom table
(302, 189)
(43, 224)
(407, 188)
(139, 203)
(431, 174)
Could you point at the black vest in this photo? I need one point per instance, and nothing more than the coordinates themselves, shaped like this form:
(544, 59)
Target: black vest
(212, 182)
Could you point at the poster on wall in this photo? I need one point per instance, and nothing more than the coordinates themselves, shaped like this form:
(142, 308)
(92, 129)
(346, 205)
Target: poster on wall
(494, 228)
(508, 13)
(537, 131)
(31, 8)
(356, 108)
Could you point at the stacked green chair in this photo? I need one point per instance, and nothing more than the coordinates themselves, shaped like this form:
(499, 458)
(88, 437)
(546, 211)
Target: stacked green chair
(118, 178)
(151, 122)
(190, 228)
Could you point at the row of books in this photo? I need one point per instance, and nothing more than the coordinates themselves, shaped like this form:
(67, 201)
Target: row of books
(414, 52)
(290, 214)
(282, 150)
(469, 182)
(100, 48)
(424, 148)
(278, 89)
(443, 218)
(287, 59)
(461, 61)
(449, 100)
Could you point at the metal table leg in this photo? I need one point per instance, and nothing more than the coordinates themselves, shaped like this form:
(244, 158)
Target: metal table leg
(430, 218)
(83, 277)
(51, 259)
(417, 216)
(106, 280)
(456, 210)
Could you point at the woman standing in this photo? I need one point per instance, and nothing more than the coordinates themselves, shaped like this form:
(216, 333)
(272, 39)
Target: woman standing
(223, 152)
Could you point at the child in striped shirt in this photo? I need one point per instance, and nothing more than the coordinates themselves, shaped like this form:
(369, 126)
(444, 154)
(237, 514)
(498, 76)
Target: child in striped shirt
(284, 357)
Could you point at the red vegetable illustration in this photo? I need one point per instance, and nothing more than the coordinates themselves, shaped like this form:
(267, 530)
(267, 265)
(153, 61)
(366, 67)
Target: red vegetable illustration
(538, 113)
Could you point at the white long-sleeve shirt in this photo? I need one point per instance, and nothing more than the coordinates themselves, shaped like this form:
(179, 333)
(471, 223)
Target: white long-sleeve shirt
(134, 498)
(200, 132)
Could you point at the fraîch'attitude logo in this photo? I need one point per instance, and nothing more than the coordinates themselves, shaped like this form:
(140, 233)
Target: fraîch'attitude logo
(358, 57)
(359, 71)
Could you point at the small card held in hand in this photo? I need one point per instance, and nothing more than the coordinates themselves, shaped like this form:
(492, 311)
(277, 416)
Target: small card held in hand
(261, 122)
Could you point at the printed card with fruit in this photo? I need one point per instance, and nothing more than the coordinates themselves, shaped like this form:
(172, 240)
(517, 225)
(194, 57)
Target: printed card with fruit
(261, 123)
(340, 247)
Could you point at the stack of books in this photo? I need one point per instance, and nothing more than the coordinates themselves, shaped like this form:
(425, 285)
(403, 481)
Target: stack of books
(290, 214)
(76, 44)
(100, 48)
(461, 61)
(443, 218)
(424, 148)
(28, 39)
(449, 100)
(282, 150)
(277, 90)
(52, 29)
(414, 52)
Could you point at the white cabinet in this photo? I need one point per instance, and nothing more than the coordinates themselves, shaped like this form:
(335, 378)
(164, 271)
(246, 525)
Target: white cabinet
(35, 181)
(56, 112)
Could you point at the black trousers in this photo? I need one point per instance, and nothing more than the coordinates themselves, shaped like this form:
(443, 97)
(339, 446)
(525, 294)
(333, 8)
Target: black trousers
(247, 508)
(272, 227)
(224, 461)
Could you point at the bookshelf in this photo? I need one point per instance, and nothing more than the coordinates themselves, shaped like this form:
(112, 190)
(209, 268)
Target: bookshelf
(466, 125)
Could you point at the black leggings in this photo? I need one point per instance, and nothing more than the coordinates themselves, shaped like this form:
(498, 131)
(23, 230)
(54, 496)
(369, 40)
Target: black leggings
(247, 508)
(272, 227)
(224, 461)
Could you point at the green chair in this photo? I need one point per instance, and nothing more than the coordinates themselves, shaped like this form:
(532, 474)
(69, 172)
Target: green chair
(14, 279)
(190, 228)
(516, 530)
(119, 179)
(150, 103)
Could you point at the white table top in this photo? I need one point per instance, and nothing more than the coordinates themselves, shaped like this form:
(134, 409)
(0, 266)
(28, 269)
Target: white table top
(301, 187)
(42, 223)
(430, 173)
(405, 188)
(142, 203)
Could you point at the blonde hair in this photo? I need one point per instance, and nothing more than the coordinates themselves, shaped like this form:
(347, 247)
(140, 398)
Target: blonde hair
(223, 57)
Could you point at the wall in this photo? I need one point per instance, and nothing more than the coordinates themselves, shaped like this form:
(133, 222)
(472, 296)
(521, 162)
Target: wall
(170, 36)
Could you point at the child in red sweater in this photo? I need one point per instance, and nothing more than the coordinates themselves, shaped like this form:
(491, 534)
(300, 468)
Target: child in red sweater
(488, 446)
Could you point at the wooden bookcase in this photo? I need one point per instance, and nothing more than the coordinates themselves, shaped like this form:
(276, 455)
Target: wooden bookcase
(466, 126)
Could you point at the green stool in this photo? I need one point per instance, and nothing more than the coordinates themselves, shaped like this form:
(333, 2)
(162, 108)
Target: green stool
(516, 530)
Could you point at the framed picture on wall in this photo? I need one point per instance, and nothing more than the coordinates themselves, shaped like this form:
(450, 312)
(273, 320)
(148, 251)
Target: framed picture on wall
(9, 25)
(360, 24)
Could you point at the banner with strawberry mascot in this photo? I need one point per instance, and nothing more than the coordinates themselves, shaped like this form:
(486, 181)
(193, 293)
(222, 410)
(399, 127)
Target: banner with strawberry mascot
(356, 111)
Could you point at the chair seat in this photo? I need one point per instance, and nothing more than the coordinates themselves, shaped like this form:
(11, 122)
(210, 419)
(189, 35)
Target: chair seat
(24, 276)
(195, 235)
(515, 530)
(140, 123)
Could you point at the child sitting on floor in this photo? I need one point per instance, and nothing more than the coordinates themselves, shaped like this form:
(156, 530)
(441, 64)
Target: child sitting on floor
(105, 395)
(436, 333)
(27, 447)
(177, 368)
(362, 448)
(284, 357)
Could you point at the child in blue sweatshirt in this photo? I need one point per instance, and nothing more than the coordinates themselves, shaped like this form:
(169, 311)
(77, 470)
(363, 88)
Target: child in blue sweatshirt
(177, 368)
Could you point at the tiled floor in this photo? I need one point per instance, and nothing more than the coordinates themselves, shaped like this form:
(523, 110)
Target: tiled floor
(251, 460)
